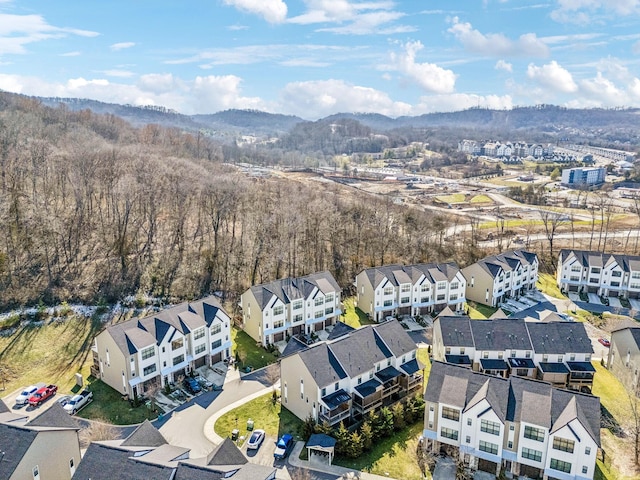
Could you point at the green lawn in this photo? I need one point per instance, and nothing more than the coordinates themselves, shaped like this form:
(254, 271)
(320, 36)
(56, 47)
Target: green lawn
(51, 353)
(547, 284)
(393, 456)
(481, 199)
(352, 315)
(423, 356)
(256, 356)
(480, 312)
(453, 198)
(272, 418)
(109, 406)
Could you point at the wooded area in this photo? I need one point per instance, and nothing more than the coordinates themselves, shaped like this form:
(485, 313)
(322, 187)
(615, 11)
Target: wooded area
(92, 209)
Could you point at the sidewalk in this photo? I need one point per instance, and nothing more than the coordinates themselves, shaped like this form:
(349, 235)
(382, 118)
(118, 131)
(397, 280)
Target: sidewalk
(340, 472)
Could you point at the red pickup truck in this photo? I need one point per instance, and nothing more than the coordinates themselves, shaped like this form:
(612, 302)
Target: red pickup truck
(42, 394)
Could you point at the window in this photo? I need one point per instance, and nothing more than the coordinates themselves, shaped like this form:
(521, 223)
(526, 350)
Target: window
(468, 439)
(278, 310)
(301, 388)
(585, 469)
(319, 301)
(510, 445)
(500, 355)
(216, 344)
(405, 287)
(279, 323)
(199, 333)
(440, 298)
(559, 358)
(200, 348)
(454, 285)
(328, 298)
(148, 352)
(635, 275)
(453, 297)
(575, 268)
(488, 447)
(595, 270)
(487, 426)
(563, 444)
(449, 433)
(469, 421)
(216, 328)
(447, 351)
(319, 314)
(404, 300)
(176, 344)
(387, 303)
(297, 318)
(616, 274)
(587, 451)
(442, 285)
(178, 359)
(450, 413)
(513, 354)
(149, 370)
(424, 299)
(533, 433)
(297, 305)
(527, 354)
(324, 392)
(560, 465)
(425, 287)
(545, 358)
(485, 355)
(335, 386)
(531, 454)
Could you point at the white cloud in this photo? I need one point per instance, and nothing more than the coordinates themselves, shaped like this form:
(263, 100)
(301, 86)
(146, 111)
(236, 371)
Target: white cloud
(316, 99)
(503, 65)
(428, 76)
(273, 11)
(582, 11)
(121, 46)
(461, 101)
(117, 73)
(303, 62)
(213, 93)
(496, 44)
(235, 28)
(553, 77)
(75, 53)
(603, 91)
(159, 83)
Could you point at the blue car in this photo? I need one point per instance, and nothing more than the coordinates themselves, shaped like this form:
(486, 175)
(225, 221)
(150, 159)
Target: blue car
(283, 446)
(192, 385)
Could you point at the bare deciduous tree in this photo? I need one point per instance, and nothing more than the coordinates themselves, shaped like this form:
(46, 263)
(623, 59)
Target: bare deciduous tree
(98, 430)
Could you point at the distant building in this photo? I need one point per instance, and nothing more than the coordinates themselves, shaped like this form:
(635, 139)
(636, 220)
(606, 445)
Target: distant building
(583, 176)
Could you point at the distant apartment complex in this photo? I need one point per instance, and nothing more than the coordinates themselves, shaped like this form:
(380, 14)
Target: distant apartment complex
(525, 427)
(607, 274)
(583, 177)
(419, 289)
(272, 312)
(132, 355)
(345, 378)
(493, 279)
(555, 352)
(508, 149)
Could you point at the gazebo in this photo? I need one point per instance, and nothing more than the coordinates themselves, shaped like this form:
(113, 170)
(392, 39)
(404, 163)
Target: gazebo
(321, 446)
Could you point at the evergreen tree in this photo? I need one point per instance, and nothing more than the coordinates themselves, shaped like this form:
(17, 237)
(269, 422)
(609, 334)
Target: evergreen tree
(398, 416)
(367, 436)
(342, 439)
(354, 445)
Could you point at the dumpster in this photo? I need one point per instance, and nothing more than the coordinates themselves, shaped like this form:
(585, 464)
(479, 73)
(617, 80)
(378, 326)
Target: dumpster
(234, 434)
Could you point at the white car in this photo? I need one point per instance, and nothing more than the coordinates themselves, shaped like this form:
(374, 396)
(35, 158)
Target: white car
(23, 398)
(255, 440)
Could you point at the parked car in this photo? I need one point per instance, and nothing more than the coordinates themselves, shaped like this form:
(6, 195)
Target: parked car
(42, 394)
(192, 385)
(604, 342)
(78, 401)
(23, 398)
(283, 446)
(256, 439)
(64, 399)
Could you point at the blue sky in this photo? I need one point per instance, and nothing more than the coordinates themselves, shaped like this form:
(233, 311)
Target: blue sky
(312, 58)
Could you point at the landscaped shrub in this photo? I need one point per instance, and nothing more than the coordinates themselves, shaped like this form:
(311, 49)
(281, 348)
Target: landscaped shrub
(342, 437)
(354, 445)
(398, 416)
(308, 427)
(367, 436)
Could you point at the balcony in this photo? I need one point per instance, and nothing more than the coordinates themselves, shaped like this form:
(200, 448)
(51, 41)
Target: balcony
(367, 396)
(337, 407)
(580, 374)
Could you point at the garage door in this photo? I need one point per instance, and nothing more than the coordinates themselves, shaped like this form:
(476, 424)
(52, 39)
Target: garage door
(573, 288)
(216, 358)
(278, 337)
(487, 466)
(318, 326)
(530, 472)
(199, 362)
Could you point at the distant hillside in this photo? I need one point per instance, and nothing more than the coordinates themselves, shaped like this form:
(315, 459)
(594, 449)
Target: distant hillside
(250, 120)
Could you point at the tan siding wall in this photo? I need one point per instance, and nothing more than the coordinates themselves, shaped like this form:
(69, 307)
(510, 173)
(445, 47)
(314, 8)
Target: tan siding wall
(251, 322)
(112, 372)
(622, 342)
(51, 452)
(482, 281)
(367, 299)
(292, 369)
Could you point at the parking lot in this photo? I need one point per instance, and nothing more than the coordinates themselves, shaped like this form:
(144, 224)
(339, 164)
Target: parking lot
(27, 410)
(264, 454)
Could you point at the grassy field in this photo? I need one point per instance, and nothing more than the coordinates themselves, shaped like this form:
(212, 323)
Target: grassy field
(53, 353)
(272, 418)
(255, 355)
(547, 284)
(480, 312)
(352, 315)
(393, 456)
(109, 406)
(453, 198)
(481, 199)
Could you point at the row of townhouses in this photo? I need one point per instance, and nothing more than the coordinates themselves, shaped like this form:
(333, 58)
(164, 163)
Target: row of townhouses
(555, 352)
(606, 274)
(155, 350)
(508, 149)
(393, 290)
(350, 374)
(493, 279)
(276, 311)
(517, 425)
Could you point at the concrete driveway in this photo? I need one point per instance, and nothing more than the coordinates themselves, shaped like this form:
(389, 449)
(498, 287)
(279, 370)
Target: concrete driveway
(445, 469)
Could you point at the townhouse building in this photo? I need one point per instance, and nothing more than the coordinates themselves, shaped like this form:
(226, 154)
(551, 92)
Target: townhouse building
(606, 274)
(623, 359)
(522, 426)
(555, 352)
(392, 290)
(493, 279)
(273, 312)
(349, 376)
(155, 350)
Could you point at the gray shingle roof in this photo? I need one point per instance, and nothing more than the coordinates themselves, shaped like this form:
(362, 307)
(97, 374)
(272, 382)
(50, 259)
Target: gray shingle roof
(146, 435)
(14, 442)
(514, 399)
(54, 417)
(456, 331)
(322, 365)
(507, 261)
(559, 338)
(588, 258)
(500, 334)
(3, 407)
(289, 289)
(397, 274)
(226, 454)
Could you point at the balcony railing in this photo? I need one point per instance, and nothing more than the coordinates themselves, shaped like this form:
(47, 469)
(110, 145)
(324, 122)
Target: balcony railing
(409, 383)
(336, 415)
(370, 402)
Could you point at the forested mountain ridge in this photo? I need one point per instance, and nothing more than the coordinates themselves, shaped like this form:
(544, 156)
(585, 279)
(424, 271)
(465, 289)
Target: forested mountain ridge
(94, 209)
